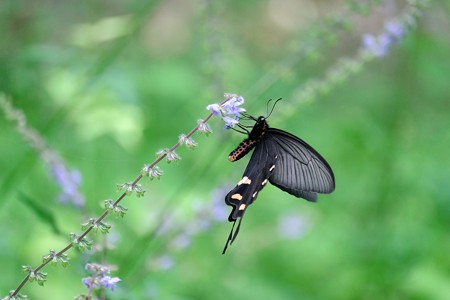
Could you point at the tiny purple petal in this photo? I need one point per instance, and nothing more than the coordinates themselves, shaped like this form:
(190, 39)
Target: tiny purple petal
(236, 99)
(203, 127)
(172, 156)
(233, 110)
(230, 122)
(89, 282)
(109, 282)
(378, 46)
(231, 107)
(385, 42)
(188, 141)
(394, 29)
(69, 182)
(215, 109)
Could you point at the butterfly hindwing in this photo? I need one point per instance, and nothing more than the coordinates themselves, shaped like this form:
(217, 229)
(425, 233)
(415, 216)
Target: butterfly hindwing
(259, 169)
(301, 170)
(256, 175)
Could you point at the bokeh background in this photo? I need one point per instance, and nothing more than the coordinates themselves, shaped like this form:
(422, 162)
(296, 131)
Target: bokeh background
(103, 85)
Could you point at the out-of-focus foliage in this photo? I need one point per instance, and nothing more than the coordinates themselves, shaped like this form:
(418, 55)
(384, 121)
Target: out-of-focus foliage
(104, 85)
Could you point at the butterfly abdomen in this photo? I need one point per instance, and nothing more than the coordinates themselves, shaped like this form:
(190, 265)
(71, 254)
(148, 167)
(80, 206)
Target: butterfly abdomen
(241, 150)
(254, 138)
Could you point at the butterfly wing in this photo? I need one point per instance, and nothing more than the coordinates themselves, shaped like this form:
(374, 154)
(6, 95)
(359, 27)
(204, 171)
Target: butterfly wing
(300, 170)
(258, 171)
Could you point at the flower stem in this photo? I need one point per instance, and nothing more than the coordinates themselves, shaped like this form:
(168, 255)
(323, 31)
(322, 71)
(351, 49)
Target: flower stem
(106, 212)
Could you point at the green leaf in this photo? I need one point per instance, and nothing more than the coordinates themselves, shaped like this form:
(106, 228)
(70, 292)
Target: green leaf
(41, 211)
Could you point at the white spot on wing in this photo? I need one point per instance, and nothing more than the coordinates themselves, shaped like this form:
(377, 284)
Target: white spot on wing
(236, 197)
(245, 180)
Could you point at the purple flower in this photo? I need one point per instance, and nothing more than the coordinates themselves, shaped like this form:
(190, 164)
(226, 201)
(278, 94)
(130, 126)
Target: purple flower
(99, 278)
(230, 109)
(215, 109)
(236, 99)
(395, 30)
(89, 282)
(109, 282)
(230, 122)
(69, 181)
(188, 141)
(203, 127)
(97, 268)
(170, 155)
(379, 45)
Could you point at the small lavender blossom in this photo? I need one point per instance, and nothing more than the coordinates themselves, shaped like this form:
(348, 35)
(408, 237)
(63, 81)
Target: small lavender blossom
(89, 282)
(109, 282)
(100, 278)
(215, 109)
(395, 30)
(152, 172)
(97, 268)
(230, 110)
(203, 127)
(230, 122)
(68, 180)
(380, 45)
(236, 99)
(170, 155)
(188, 141)
(231, 107)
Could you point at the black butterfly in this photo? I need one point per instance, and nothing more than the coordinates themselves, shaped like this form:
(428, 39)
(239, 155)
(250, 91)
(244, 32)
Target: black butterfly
(280, 158)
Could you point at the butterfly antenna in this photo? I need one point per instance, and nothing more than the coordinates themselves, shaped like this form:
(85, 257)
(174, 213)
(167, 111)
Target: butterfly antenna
(273, 107)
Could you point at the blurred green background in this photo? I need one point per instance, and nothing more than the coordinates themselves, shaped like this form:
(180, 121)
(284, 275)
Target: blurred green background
(108, 83)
